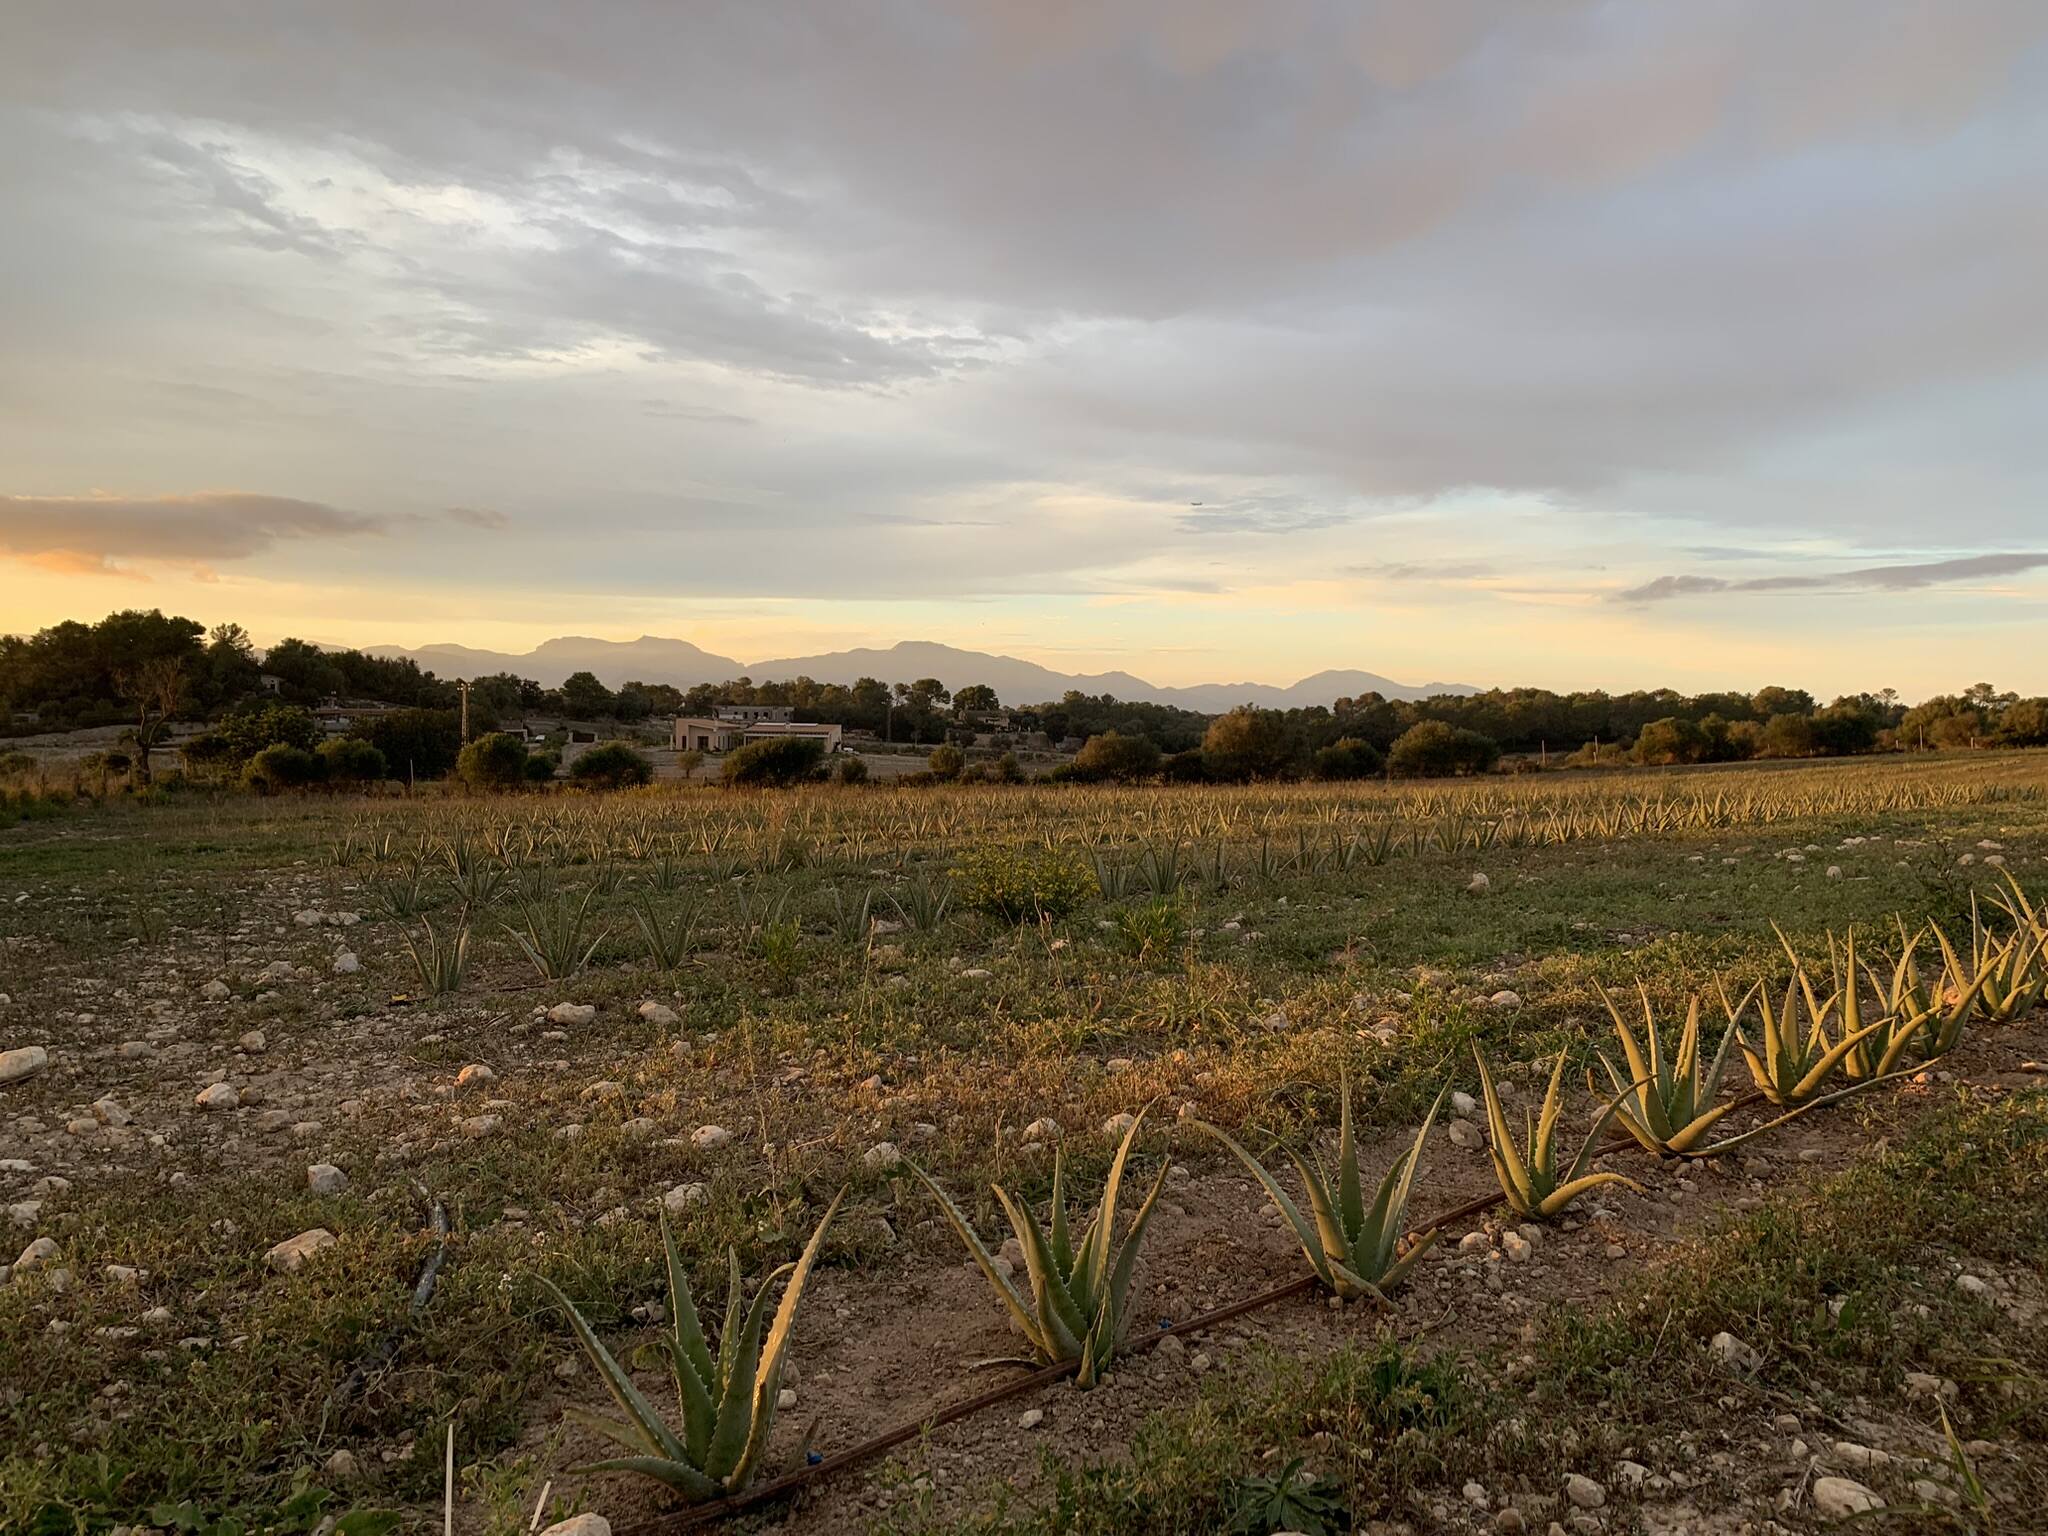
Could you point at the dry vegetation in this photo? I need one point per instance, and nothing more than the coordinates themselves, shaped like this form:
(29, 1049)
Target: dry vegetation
(495, 1040)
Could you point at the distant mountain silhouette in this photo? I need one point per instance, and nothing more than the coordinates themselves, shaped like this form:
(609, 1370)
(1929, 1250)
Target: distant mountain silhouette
(652, 659)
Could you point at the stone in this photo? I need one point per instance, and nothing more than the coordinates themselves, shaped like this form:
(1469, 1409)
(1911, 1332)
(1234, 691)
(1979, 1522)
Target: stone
(1031, 1418)
(1972, 1285)
(572, 1013)
(1837, 1498)
(1506, 999)
(1118, 1125)
(1921, 1385)
(659, 1014)
(1464, 1106)
(580, 1525)
(108, 1111)
(1517, 1247)
(1632, 1474)
(346, 964)
(682, 1197)
(289, 1255)
(1475, 1242)
(22, 1062)
(215, 992)
(1463, 1133)
(219, 1098)
(1733, 1353)
(122, 1274)
(710, 1138)
(35, 1255)
(1510, 1521)
(342, 1464)
(475, 1075)
(254, 1041)
(881, 1156)
(326, 1179)
(479, 1125)
(1478, 885)
(1584, 1492)
(1042, 1129)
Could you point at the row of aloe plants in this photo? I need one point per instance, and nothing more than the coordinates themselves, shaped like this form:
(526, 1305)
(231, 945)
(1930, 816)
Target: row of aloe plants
(1823, 1038)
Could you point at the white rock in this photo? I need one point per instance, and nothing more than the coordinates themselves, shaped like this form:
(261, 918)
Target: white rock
(23, 1061)
(479, 1125)
(1031, 1418)
(785, 1399)
(215, 991)
(122, 1274)
(1475, 1242)
(881, 1156)
(35, 1255)
(682, 1197)
(475, 1075)
(710, 1138)
(659, 1014)
(1972, 1285)
(326, 1179)
(1044, 1128)
(1506, 999)
(109, 1112)
(1733, 1353)
(1919, 1384)
(1517, 1247)
(1117, 1125)
(1478, 885)
(346, 964)
(1463, 1133)
(1464, 1106)
(24, 1213)
(255, 1042)
(572, 1013)
(1839, 1497)
(219, 1097)
(1584, 1492)
(342, 1464)
(580, 1525)
(288, 1255)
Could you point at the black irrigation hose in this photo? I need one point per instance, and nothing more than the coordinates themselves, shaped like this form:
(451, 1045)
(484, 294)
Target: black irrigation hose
(386, 1348)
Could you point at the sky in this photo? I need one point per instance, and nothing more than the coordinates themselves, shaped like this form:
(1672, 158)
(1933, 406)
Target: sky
(1494, 341)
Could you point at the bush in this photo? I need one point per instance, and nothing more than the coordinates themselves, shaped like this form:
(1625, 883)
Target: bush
(780, 760)
(1023, 884)
(281, 766)
(1248, 744)
(688, 761)
(1116, 759)
(1185, 768)
(1349, 758)
(1007, 770)
(417, 743)
(612, 765)
(493, 761)
(848, 769)
(244, 734)
(946, 762)
(541, 766)
(350, 760)
(1434, 750)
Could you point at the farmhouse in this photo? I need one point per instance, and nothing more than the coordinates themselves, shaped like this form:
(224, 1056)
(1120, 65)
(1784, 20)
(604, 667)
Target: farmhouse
(720, 733)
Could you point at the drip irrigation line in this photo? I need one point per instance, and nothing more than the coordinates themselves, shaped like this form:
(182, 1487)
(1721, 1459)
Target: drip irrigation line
(698, 1515)
(386, 1348)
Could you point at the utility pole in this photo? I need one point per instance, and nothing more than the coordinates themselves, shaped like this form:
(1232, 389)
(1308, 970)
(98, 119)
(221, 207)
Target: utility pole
(464, 686)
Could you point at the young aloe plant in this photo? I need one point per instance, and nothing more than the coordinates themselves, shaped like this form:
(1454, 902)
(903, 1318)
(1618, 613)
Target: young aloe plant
(1884, 1048)
(2013, 970)
(1078, 1290)
(1791, 1068)
(1530, 1178)
(1352, 1248)
(1963, 991)
(1667, 1099)
(728, 1399)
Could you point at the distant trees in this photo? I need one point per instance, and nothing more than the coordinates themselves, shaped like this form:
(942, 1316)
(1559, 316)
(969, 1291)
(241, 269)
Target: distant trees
(1115, 758)
(495, 760)
(1434, 750)
(1348, 758)
(975, 699)
(583, 697)
(612, 765)
(946, 762)
(779, 760)
(1247, 744)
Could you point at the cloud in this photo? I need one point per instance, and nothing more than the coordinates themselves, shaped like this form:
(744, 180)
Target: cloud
(1885, 578)
(97, 533)
(479, 517)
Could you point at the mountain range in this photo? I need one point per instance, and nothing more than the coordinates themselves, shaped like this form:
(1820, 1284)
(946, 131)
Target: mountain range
(653, 659)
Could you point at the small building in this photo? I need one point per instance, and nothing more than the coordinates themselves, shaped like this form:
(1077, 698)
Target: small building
(754, 714)
(696, 733)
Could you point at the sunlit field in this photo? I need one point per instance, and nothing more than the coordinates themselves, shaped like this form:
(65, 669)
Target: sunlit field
(483, 1043)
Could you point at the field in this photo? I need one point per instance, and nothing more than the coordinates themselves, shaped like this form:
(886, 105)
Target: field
(796, 993)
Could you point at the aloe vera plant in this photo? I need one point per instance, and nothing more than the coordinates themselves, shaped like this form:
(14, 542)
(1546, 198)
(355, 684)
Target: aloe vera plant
(1875, 1052)
(1353, 1249)
(727, 1398)
(1790, 1066)
(1667, 1097)
(2013, 970)
(1078, 1288)
(1529, 1175)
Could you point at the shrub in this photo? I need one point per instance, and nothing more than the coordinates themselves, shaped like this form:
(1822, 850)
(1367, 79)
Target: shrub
(946, 762)
(541, 766)
(1673, 739)
(419, 743)
(350, 760)
(780, 760)
(688, 761)
(1248, 743)
(493, 761)
(244, 734)
(1434, 750)
(1023, 884)
(848, 769)
(612, 765)
(1117, 759)
(1349, 758)
(282, 766)
(1184, 768)
(1007, 770)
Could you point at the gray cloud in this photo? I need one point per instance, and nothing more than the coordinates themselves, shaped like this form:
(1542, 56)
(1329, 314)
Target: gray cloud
(98, 532)
(1886, 578)
(479, 517)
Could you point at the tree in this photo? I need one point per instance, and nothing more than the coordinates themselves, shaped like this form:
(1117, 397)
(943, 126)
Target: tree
(1432, 749)
(1248, 743)
(1115, 758)
(946, 762)
(155, 688)
(779, 760)
(1671, 740)
(1348, 758)
(418, 743)
(975, 699)
(282, 766)
(308, 673)
(1786, 736)
(585, 698)
(496, 760)
(350, 760)
(612, 765)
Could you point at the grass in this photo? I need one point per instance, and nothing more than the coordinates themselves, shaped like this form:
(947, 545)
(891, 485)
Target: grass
(1247, 1000)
